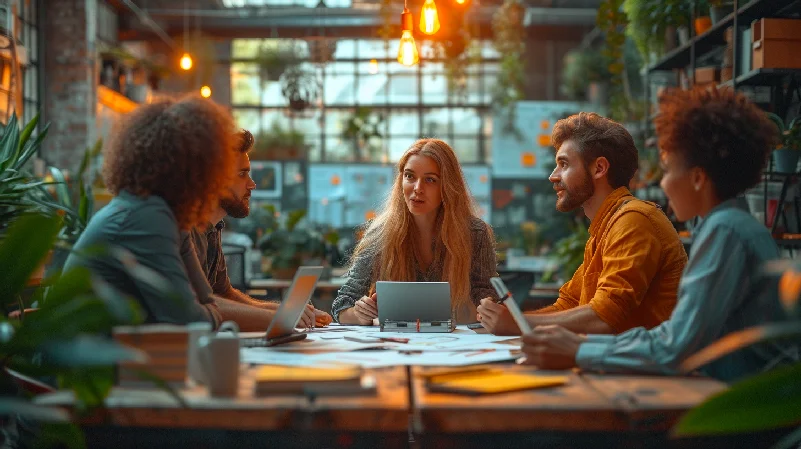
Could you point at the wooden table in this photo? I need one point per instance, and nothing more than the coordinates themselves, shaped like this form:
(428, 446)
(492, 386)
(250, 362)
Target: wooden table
(281, 284)
(153, 418)
(589, 411)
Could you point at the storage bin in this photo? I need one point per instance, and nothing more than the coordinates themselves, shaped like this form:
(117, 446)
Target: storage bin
(776, 43)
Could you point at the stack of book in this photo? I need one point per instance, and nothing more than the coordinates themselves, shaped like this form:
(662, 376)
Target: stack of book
(345, 380)
(166, 346)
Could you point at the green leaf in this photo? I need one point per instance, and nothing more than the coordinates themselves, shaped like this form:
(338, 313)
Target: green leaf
(59, 435)
(741, 339)
(89, 350)
(62, 192)
(26, 134)
(12, 406)
(90, 385)
(766, 401)
(8, 143)
(32, 147)
(24, 248)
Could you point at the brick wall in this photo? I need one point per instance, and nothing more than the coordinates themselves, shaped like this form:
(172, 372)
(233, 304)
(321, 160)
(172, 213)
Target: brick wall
(70, 80)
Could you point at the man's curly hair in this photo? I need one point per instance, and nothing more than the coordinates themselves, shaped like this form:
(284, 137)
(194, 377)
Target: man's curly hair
(718, 130)
(182, 151)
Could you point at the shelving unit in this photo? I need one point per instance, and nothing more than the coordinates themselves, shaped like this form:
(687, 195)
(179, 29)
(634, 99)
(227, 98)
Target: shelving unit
(784, 84)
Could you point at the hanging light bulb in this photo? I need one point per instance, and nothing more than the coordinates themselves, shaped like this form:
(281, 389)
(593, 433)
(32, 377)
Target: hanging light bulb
(372, 69)
(429, 19)
(205, 91)
(461, 2)
(186, 61)
(407, 52)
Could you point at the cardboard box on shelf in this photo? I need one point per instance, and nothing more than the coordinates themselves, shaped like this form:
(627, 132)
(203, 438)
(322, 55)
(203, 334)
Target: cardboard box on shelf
(707, 75)
(776, 43)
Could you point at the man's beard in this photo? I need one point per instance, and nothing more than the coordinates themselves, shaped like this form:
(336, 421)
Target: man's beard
(236, 207)
(576, 196)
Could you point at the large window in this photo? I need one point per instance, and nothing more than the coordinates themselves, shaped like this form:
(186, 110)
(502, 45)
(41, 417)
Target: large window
(413, 102)
(19, 65)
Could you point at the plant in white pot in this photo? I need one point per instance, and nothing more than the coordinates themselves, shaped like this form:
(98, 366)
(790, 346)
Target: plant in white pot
(785, 156)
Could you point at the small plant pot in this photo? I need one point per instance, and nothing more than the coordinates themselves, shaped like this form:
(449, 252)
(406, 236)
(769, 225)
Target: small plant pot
(702, 24)
(718, 13)
(785, 160)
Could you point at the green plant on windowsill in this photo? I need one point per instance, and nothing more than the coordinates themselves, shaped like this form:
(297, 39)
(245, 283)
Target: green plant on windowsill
(363, 128)
(279, 143)
(290, 245)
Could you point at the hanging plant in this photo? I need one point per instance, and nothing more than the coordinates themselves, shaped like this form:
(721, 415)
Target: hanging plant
(275, 58)
(299, 88)
(321, 49)
(509, 41)
(364, 128)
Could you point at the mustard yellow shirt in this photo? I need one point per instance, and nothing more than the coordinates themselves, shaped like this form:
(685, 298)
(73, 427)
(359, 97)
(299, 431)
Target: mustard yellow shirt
(632, 265)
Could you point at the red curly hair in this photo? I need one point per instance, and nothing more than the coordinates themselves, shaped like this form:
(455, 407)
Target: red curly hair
(182, 151)
(718, 130)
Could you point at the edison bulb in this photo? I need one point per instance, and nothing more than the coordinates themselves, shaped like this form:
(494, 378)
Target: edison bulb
(407, 52)
(205, 91)
(186, 61)
(429, 19)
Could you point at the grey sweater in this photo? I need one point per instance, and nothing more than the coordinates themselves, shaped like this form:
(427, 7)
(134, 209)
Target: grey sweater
(483, 266)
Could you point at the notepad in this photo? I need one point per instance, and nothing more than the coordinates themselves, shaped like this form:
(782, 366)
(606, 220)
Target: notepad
(495, 382)
(273, 379)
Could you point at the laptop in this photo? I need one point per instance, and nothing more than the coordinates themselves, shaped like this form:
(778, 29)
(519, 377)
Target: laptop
(282, 326)
(414, 306)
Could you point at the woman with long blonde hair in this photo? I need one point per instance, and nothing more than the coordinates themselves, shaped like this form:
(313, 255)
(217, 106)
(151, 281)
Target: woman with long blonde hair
(427, 232)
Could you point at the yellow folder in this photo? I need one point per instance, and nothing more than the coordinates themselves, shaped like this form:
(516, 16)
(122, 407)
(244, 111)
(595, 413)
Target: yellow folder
(495, 382)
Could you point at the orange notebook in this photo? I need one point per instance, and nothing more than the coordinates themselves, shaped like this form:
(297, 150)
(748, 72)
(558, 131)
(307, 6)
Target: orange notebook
(493, 382)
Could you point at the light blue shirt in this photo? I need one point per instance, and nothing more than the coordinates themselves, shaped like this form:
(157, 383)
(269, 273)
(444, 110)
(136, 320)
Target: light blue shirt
(717, 295)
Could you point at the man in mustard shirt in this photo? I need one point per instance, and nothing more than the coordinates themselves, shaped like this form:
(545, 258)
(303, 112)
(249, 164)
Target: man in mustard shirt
(633, 259)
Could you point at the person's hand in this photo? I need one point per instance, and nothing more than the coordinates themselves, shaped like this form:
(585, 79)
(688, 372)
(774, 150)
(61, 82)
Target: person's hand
(551, 347)
(307, 320)
(496, 318)
(322, 319)
(366, 309)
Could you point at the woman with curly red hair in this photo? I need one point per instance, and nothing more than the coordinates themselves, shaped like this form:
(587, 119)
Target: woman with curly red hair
(167, 164)
(713, 146)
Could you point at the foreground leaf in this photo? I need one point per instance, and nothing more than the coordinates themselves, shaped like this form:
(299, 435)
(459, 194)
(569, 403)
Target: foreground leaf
(739, 340)
(87, 350)
(766, 401)
(10, 406)
(59, 436)
(23, 249)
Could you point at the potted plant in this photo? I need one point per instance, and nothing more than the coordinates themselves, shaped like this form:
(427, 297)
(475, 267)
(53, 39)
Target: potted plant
(279, 143)
(299, 88)
(583, 66)
(274, 60)
(289, 245)
(362, 128)
(650, 21)
(719, 9)
(785, 156)
(702, 20)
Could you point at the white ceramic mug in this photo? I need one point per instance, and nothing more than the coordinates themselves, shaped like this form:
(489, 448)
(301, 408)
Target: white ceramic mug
(197, 330)
(218, 357)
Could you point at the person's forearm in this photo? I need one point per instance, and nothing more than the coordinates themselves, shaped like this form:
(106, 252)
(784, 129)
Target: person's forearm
(581, 319)
(348, 316)
(248, 318)
(237, 296)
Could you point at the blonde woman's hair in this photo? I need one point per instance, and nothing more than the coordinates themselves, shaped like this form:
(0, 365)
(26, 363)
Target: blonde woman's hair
(392, 239)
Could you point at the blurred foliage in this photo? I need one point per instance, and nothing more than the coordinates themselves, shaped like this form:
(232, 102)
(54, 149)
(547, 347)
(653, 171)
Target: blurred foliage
(509, 40)
(569, 252)
(288, 243)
